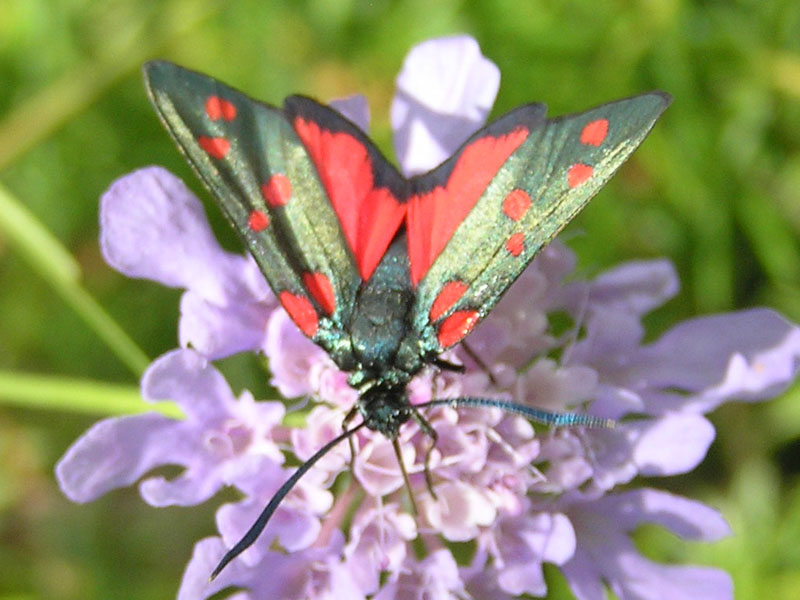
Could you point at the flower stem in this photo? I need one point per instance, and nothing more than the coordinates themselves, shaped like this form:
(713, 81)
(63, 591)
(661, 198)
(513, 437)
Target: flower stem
(47, 256)
(76, 395)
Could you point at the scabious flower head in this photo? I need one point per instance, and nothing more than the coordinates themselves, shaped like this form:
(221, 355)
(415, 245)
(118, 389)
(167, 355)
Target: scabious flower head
(520, 498)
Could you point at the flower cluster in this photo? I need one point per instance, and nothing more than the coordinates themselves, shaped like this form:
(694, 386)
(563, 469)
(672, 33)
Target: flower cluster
(519, 497)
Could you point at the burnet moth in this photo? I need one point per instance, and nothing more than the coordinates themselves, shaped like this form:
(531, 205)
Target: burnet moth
(382, 271)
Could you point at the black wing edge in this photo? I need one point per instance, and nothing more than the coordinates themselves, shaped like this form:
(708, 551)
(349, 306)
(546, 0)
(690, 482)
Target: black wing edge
(530, 116)
(384, 173)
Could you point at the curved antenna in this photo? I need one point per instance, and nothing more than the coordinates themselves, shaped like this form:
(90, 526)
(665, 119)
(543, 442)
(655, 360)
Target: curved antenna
(545, 417)
(257, 527)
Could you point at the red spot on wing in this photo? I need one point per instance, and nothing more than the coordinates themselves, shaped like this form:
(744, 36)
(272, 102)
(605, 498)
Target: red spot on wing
(278, 190)
(516, 204)
(370, 217)
(434, 216)
(320, 288)
(594, 132)
(217, 147)
(447, 297)
(301, 311)
(578, 174)
(455, 327)
(219, 108)
(516, 244)
(258, 221)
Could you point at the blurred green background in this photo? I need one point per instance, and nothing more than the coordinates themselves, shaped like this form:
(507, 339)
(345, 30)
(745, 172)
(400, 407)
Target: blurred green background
(716, 188)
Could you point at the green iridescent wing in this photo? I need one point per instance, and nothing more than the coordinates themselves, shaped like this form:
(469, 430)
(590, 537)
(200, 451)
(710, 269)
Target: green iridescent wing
(538, 175)
(277, 175)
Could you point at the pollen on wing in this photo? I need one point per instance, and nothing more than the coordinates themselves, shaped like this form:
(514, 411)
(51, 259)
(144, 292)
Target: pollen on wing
(216, 147)
(219, 108)
(578, 174)
(278, 190)
(594, 132)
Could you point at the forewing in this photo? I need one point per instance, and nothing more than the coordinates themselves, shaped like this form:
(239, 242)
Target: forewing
(249, 156)
(553, 171)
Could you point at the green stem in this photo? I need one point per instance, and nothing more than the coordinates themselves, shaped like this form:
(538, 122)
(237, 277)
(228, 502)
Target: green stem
(48, 257)
(77, 396)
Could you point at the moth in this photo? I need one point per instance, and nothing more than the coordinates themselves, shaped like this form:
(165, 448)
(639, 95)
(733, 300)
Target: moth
(382, 271)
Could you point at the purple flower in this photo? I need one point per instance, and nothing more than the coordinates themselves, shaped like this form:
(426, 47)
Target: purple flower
(152, 226)
(379, 537)
(520, 497)
(605, 553)
(436, 577)
(220, 435)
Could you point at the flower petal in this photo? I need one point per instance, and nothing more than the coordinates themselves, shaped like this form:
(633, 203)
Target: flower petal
(355, 108)
(527, 543)
(113, 453)
(635, 287)
(459, 510)
(295, 529)
(747, 355)
(379, 536)
(206, 555)
(605, 552)
(673, 444)
(376, 466)
(152, 226)
(322, 425)
(219, 432)
(482, 583)
(292, 356)
(218, 331)
(196, 484)
(642, 578)
(668, 445)
(612, 337)
(117, 452)
(190, 380)
(687, 518)
(434, 578)
(316, 572)
(444, 92)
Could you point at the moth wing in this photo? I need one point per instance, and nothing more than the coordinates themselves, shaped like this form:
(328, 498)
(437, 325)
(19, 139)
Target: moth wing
(543, 172)
(251, 159)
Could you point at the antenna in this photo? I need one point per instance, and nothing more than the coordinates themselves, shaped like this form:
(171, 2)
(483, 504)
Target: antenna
(535, 414)
(545, 417)
(254, 531)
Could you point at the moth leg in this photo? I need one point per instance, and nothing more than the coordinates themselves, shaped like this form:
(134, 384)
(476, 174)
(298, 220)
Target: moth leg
(399, 454)
(445, 365)
(345, 423)
(428, 430)
(479, 361)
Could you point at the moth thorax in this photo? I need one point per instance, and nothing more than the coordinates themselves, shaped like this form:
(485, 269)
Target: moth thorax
(385, 409)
